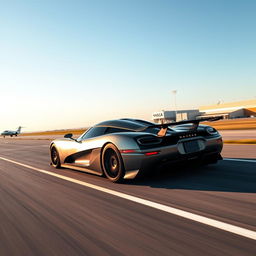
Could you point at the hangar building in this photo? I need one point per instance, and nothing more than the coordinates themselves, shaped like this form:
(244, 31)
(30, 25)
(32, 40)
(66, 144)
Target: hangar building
(239, 109)
(230, 110)
(170, 116)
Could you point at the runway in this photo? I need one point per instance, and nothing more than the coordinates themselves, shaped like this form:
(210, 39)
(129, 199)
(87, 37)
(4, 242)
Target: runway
(42, 214)
(238, 134)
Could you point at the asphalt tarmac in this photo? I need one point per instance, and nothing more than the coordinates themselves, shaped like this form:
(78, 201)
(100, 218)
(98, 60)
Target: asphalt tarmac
(238, 134)
(43, 214)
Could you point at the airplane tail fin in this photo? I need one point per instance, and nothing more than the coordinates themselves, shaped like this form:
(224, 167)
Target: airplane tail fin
(19, 129)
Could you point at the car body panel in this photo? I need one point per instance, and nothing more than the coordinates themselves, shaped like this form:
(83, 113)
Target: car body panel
(180, 144)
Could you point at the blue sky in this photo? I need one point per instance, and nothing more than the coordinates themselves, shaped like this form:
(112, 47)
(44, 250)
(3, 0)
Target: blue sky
(67, 64)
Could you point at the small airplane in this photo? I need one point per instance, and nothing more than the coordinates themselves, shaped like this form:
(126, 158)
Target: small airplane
(11, 133)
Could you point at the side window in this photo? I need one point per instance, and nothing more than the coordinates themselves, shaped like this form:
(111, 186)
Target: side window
(113, 130)
(93, 132)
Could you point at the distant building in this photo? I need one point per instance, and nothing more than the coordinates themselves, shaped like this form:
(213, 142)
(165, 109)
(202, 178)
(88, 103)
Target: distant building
(172, 116)
(240, 109)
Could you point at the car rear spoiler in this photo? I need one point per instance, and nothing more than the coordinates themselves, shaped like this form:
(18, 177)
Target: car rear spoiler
(195, 122)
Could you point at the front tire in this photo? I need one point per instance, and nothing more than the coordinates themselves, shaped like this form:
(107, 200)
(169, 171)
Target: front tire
(112, 163)
(55, 158)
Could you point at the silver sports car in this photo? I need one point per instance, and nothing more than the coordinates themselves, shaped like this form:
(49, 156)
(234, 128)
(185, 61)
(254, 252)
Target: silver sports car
(123, 148)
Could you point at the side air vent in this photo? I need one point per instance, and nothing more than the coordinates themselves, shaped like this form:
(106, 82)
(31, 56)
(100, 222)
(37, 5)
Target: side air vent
(211, 130)
(149, 140)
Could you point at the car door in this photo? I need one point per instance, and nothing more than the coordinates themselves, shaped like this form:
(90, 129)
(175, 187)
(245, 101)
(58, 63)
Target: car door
(87, 149)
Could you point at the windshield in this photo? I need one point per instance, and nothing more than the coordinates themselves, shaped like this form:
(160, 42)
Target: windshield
(92, 132)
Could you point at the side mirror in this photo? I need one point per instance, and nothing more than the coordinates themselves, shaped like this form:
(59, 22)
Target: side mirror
(68, 135)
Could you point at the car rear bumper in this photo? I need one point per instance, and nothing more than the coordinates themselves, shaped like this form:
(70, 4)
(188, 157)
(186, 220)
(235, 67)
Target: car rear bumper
(173, 154)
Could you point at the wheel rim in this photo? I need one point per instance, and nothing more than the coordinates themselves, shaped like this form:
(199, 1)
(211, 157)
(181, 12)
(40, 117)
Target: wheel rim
(111, 163)
(54, 156)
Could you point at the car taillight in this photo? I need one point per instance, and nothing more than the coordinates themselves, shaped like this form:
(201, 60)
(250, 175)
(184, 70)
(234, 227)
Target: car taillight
(219, 140)
(152, 153)
(127, 151)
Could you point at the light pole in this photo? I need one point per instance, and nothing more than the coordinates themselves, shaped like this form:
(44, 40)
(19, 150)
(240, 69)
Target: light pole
(174, 92)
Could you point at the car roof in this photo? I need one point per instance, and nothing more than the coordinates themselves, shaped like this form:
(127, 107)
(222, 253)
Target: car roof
(125, 123)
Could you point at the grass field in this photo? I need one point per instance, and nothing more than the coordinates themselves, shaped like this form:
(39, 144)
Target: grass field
(245, 141)
(234, 124)
(55, 132)
(229, 124)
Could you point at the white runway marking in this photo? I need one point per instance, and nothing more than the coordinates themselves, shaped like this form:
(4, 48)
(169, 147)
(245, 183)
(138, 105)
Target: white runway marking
(187, 215)
(240, 160)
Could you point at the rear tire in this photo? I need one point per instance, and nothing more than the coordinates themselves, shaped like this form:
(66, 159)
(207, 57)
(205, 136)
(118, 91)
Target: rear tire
(212, 159)
(55, 158)
(112, 163)
(210, 162)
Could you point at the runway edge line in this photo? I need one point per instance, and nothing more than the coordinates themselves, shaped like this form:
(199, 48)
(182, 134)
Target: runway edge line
(240, 160)
(181, 213)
